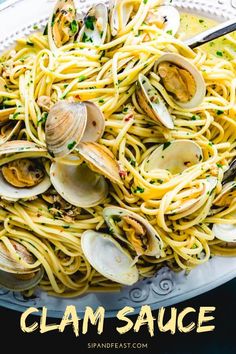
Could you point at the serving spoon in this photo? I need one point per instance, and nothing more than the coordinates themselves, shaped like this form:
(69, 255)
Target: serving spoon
(211, 34)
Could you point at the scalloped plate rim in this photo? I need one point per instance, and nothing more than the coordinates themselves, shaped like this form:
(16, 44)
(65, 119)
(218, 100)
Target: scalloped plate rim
(162, 300)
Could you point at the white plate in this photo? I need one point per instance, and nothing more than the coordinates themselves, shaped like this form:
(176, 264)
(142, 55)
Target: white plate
(166, 288)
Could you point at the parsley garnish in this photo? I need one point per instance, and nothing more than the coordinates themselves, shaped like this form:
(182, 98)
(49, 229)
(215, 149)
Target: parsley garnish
(166, 145)
(82, 78)
(70, 146)
(30, 43)
(89, 22)
(219, 112)
(74, 26)
(219, 53)
(169, 32)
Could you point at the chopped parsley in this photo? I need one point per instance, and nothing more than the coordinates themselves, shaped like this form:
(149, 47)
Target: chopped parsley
(15, 115)
(43, 118)
(70, 146)
(169, 32)
(101, 101)
(74, 26)
(219, 112)
(82, 78)
(195, 117)
(166, 145)
(138, 190)
(145, 1)
(219, 165)
(219, 53)
(132, 162)
(85, 38)
(89, 20)
(30, 43)
(201, 21)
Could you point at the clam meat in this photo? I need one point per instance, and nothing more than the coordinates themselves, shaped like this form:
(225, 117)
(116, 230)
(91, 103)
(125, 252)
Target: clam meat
(62, 24)
(22, 173)
(182, 80)
(133, 229)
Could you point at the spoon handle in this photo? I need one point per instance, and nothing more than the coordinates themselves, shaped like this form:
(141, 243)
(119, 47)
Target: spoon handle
(213, 33)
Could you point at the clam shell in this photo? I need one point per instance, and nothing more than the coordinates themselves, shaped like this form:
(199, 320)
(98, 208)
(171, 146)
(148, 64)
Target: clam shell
(101, 160)
(11, 282)
(126, 11)
(190, 206)
(227, 188)
(152, 103)
(182, 62)
(95, 123)
(9, 192)
(78, 185)
(61, 5)
(225, 232)
(109, 258)
(175, 156)
(169, 16)
(94, 30)
(155, 242)
(68, 124)
(10, 265)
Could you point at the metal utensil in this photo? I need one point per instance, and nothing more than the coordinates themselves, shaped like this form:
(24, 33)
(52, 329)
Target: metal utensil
(211, 34)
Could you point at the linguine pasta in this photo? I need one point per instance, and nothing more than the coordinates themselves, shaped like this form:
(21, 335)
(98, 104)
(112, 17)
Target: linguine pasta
(107, 75)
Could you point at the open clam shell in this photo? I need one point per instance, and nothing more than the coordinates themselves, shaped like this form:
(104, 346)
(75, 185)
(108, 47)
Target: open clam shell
(225, 232)
(108, 258)
(135, 230)
(70, 123)
(13, 151)
(182, 80)
(12, 282)
(152, 103)
(94, 30)
(117, 23)
(227, 194)
(175, 156)
(101, 160)
(165, 17)
(191, 205)
(13, 274)
(78, 185)
(62, 24)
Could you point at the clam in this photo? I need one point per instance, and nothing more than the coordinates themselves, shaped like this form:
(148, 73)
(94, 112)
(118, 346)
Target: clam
(227, 194)
(117, 23)
(133, 229)
(225, 232)
(70, 123)
(230, 174)
(165, 17)
(108, 258)
(182, 80)
(21, 271)
(94, 29)
(152, 103)
(22, 175)
(101, 160)
(175, 156)
(191, 204)
(62, 24)
(78, 185)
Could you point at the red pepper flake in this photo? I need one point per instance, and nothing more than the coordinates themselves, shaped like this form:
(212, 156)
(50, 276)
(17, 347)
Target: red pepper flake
(128, 117)
(122, 171)
(78, 97)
